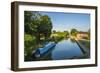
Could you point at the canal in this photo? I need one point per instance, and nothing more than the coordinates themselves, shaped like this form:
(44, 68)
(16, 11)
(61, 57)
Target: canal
(65, 49)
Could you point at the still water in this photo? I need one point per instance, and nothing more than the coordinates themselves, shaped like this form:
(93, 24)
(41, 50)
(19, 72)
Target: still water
(66, 49)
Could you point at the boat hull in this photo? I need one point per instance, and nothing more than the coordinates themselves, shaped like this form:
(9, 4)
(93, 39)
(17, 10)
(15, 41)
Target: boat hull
(42, 51)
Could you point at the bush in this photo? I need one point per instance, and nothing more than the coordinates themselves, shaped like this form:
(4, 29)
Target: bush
(29, 45)
(56, 39)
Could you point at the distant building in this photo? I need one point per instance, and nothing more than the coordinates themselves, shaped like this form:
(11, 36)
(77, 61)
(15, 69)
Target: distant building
(82, 35)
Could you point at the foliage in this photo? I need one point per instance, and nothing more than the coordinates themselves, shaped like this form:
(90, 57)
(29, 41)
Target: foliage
(30, 42)
(74, 32)
(54, 31)
(36, 24)
(58, 36)
(67, 33)
(27, 21)
(45, 26)
(61, 34)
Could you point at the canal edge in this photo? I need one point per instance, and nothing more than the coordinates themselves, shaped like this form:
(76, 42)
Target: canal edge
(81, 47)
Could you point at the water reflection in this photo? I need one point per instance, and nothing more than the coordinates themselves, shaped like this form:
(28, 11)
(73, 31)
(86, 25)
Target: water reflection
(73, 40)
(65, 49)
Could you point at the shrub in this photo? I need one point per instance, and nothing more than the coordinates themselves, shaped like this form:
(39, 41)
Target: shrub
(29, 45)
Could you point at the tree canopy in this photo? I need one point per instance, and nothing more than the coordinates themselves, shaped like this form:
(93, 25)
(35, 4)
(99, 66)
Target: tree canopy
(73, 32)
(67, 33)
(36, 24)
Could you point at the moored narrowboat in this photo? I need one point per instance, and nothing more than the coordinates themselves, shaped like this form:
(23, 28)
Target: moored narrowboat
(41, 51)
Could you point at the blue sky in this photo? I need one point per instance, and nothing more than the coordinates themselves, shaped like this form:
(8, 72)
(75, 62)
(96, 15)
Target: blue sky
(67, 21)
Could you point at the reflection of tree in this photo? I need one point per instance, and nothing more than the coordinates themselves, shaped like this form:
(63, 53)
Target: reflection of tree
(67, 34)
(73, 40)
(66, 38)
(88, 34)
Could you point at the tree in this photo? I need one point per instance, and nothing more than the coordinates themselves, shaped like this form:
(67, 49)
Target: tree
(74, 32)
(45, 26)
(32, 21)
(67, 33)
(54, 31)
(37, 24)
(27, 21)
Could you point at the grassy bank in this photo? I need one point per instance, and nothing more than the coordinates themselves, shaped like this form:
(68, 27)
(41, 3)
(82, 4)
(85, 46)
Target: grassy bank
(85, 47)
(86, 43)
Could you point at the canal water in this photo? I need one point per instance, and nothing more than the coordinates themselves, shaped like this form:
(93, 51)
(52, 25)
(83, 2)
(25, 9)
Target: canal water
(65, 49)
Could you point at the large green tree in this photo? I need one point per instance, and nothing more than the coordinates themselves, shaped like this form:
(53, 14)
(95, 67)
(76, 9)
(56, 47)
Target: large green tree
(37, 24)
(27, 21)
(45, 26)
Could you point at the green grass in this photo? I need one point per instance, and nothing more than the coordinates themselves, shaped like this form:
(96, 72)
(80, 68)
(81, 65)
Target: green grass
(58, 36)
(61, 34)
(85, 43)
